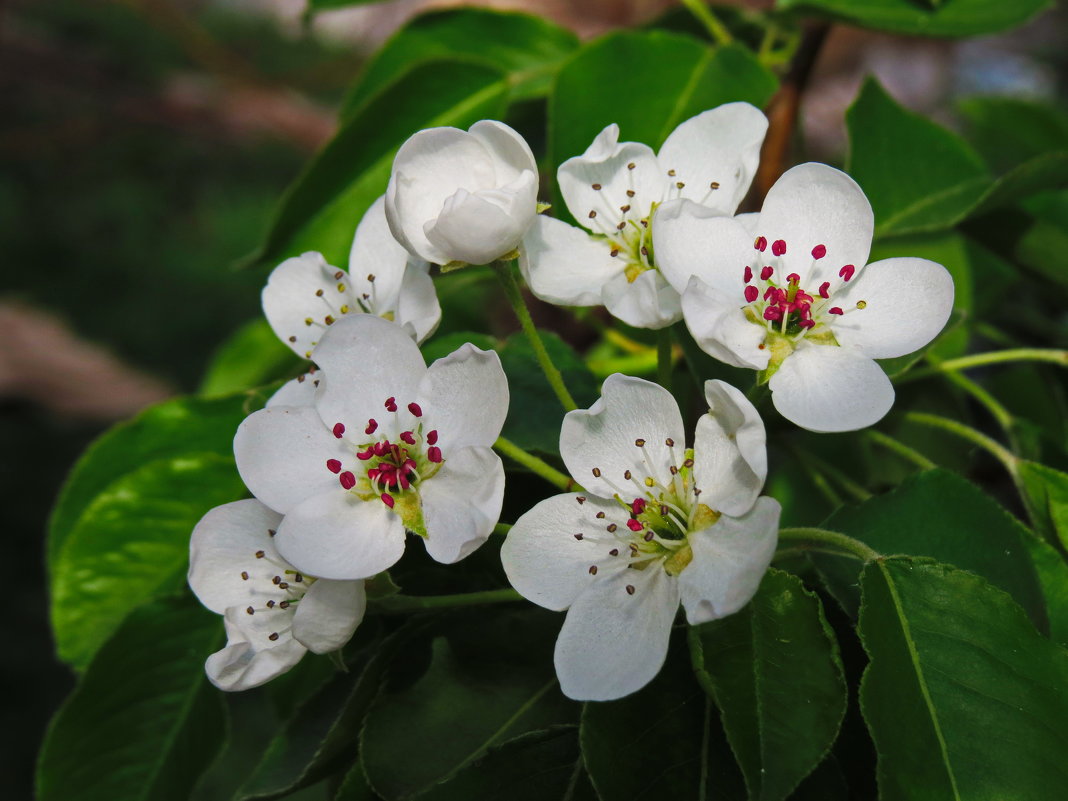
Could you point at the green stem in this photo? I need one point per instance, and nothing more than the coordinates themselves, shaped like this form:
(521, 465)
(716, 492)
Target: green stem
(515, 297)
(502, 528)
(663, 358)
(716, 29)
(985, 399)
(1050, 355)
(536, 465)
(417, 603)
(840, 542)
(901, 449)
(996, 449)
(637, 364)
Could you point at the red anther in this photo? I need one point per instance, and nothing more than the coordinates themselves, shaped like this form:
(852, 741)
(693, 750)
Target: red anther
(404, 482)
(333, 465)
(637, 506)
(819, 251)
(793, 278)
(409, 464)
(825, 288)
(802, 297)
(347, 479)
(748, 274)
(751, 293)
(634, 525)
(834, 310)
(847, 272)
(391, 404)
(778, 247)
(373, 473)
(766, 273)
(381, 448)
(761, 244)
(432, 437)
(387, 500)
(372, 426)
(415, 409)
(807, 323)
(363, 456)
(408, 437)
(771, 292)
(339, 430)
(772, 313)
(433, 453)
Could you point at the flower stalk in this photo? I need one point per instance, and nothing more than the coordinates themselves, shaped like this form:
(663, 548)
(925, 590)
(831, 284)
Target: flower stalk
(535, 465)
(839, 542)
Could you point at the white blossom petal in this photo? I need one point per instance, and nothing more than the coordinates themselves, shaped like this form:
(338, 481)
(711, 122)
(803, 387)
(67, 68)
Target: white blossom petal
(648, 301)
(482, 226)
(614, 642)
(281, 455)
(375, 251)
(418, 309)
(606, 166)
(225, 565)
(721, 146)
(245, 662)
(825, 388)
(721, 329)
(907, 302)
(542, 557)
(730, 454)
(328, 614)
(462, 503)
(297, 299)
(512, 154)
(336, 535)
(564, 265)
(602, 440)
(427, 170)
(367, 360)
(729, 561)
(813, 204)
(299, 391)
(689, 240)
(465, 398)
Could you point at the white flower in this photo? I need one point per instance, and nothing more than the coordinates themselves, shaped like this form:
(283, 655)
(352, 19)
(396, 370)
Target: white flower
(798, 304)
(462, 196)
(614, 188)
(273, 613)
(389, 445)
(657, 523)
(305, 295)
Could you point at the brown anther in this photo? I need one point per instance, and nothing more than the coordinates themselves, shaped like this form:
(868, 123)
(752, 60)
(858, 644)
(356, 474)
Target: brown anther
(625, 209)
(679, 184)
(276, 580)
(648, 536)
(581, 499)
(273, 636)
(251, 611)
(292, 339)
(671, 173)
(270, 604)
(669, 442)
(300, 379)
(645, 250)
(284, 585)
(578, 536)
(596, 472)
(614, 552)
(612, 528)
(595, 186)
(673, 470)
(600, 515)
(328, 320)
(614, 253)
(688, 463)
(271, 532)
(298, 577)
(630, 193)
(645, 223)
(338, 275)
(593, 570)
(371, 277)
(260, 554)
(714, 185)
(244, 575)
(621, 226)
(663, 510)
(640, 443)
(318, 293)
(592, 214)
(631, 166)
(626, 474)
(630, 589)
(284, 605)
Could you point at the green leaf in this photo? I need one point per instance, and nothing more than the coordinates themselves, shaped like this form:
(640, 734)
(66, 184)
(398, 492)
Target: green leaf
(251, 357)
(938, 514)
(354, 786)
(1046, 496)
(1052, 570)
(1008, 131)
(321, 209)
(945, 18)
(917, 175)
(534, 412)
(774, 671)
(322, 735)
(648, 83)
(662, 742)
(325, 5)
(143, 722)
(131, 544)
(963, 698)
(527, 49)
(538, 766)
(171, 429)
(471, 699)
